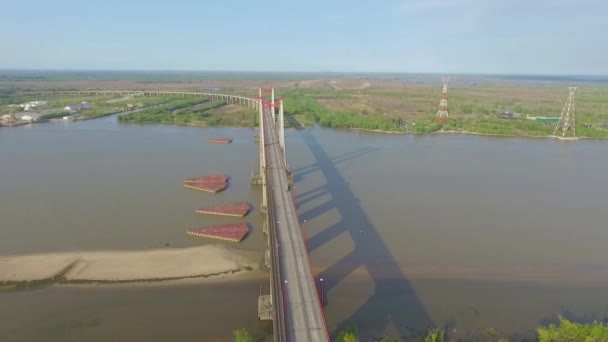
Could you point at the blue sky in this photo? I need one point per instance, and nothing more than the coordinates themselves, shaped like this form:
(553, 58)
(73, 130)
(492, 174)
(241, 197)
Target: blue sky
(443, 36)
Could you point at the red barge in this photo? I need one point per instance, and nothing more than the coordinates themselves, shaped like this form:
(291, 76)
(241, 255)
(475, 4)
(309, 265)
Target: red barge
(240, 209)
(217, 178)
(234, 232)
(208, 187)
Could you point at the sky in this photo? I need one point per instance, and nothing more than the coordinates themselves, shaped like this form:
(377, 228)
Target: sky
(436, 36)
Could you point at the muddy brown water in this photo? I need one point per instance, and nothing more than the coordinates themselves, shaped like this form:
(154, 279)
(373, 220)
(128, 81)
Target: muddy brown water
(406, 231)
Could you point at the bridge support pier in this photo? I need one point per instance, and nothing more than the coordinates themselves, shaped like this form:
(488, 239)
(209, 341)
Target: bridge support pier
(265, 305)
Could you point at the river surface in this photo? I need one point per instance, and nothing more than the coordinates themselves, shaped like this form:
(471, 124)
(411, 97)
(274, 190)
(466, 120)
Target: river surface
(406, 231)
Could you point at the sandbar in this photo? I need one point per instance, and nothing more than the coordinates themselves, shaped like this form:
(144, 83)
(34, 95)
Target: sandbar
(126, 266)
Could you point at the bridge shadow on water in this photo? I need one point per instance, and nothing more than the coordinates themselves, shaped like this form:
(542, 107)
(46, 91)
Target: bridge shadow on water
(394, 301)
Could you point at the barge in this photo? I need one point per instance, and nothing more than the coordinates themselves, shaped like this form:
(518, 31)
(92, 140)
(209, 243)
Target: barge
(240, 209)
(234, 232)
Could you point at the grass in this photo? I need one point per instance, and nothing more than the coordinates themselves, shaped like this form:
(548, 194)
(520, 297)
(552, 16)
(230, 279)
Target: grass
(100, 105)
(194, 111)
(303, 103)
(394, 107)
(472, 108)
(7, 288)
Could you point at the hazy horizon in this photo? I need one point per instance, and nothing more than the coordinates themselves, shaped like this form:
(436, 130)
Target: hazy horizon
(544, 37)
(388, 72)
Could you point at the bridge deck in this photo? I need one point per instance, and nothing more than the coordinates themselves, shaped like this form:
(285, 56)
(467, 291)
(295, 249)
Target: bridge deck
(303, 317)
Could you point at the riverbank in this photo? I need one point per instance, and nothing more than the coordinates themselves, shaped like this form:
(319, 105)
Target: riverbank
(116, 267)
(568, 138)
(514, 135)
(472, 133)
(203, 125)
(299, 126)
(343, 110)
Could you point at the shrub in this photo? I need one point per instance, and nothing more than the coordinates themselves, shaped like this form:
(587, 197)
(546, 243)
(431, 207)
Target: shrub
(242, 335)
(573, 332)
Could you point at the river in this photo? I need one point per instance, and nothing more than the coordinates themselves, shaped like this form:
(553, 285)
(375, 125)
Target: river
(406, 231)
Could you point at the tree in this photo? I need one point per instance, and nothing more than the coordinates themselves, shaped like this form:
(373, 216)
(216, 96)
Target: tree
(435, 335)
(349, 335)
(242, 335)
(568, 331)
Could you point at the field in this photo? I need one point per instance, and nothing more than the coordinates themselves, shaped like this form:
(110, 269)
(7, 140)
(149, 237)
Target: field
(379, 103)
(196, 112)
(100, 105)
(390, 106)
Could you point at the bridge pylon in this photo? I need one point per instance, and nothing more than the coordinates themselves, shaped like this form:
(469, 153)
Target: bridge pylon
(282, 129)
(264, 206)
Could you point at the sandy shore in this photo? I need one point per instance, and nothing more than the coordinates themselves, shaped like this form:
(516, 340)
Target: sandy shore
(126, 266)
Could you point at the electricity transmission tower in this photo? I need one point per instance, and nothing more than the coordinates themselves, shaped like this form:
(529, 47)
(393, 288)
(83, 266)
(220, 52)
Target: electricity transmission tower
(567, 119)
(442, 113)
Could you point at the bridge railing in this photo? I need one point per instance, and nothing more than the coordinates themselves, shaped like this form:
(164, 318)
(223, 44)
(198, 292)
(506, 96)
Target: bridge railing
(278, 298)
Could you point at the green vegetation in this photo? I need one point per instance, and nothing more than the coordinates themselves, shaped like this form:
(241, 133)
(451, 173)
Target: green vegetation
(7, 288)
(303, 102)
(167, 113)
(352, 335)
(435, 335)
(100, 105)
(150, 109)
(565, 331)
(349, 335)
(53, 115)
(472, 109)
(193, 111)
(350, 104)
(242, 335)
(568, 331)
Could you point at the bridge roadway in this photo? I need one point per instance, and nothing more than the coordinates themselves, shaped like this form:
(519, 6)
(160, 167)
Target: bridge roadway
(249, 102)
(303, 318)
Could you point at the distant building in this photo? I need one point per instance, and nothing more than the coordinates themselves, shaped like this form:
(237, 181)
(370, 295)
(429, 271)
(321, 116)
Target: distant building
(72, 109)
(75, 108)
(543, 119)
(32, 105)
(505, 115)
(508, 115)
(34, 115)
